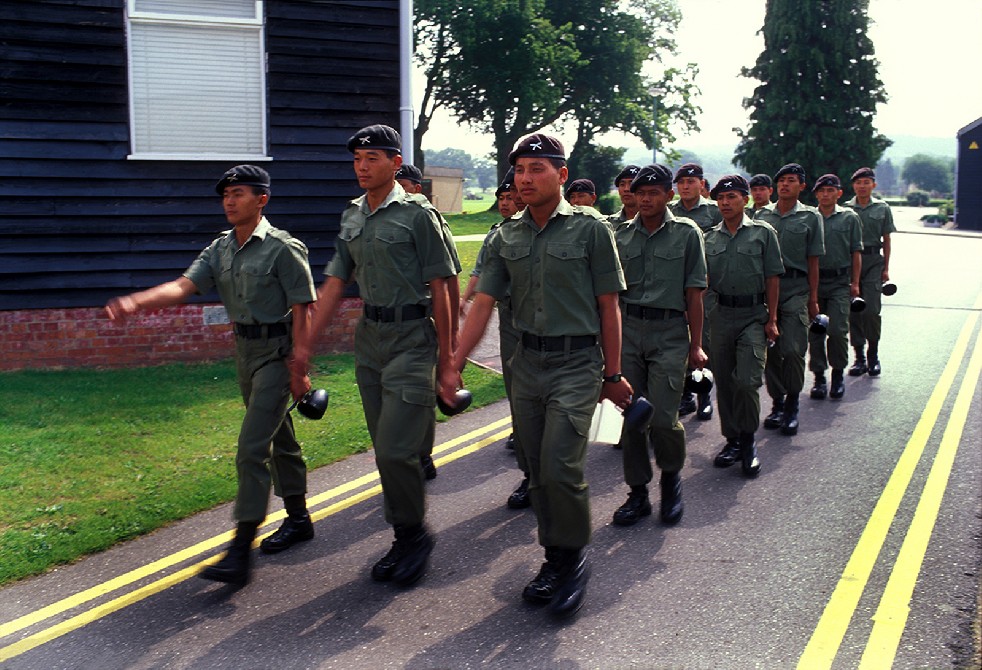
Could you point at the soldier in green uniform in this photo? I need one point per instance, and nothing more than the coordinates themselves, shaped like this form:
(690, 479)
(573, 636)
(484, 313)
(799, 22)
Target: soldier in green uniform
(561, 267)
(664, 264)
(743, 258)
(508, 336)
(761, 190)
(629, 204)
(865, 326)
(393, 245)
(410, 178)
(838, 272)
(263, 279)
(693, 205)
(802, 236)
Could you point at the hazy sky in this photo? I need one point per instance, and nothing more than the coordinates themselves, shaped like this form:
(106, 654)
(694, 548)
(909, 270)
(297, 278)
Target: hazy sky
(929, 54)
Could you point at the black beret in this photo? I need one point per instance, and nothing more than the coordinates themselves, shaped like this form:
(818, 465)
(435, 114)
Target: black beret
(539, 145)
(410, 173)
(863, 172)
(761, 180)
(688, 170)
(629, 172)
(827, 180)
(652, 175)
(507, 183)
(243, 175)
(581, 186)
(380, 137)
(731, 182)
(791, 168)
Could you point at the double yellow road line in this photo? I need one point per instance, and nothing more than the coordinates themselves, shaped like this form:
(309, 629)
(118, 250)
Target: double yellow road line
(890, 618)
(355, 491)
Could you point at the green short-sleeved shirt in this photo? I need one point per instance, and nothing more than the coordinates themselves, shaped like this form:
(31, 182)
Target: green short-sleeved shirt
(738, 264)
(658, 267)
(554, 273)
(617, 219)
(843, 236)
(800, 232)
(445, 227)
(705, 213)
(393, 252)
(877, 218)
(482, 254)
(261, 280)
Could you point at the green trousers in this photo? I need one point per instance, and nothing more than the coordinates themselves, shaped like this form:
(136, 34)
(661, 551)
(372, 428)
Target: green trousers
(865, 326)
(508, 338)
(395, 367)
(267, 447)
(831, 348)
(785, 371)
(554, 395)
(738, 356)
(654, 354)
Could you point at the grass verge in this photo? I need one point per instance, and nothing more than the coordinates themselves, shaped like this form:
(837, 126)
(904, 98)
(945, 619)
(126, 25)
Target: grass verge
(89, 458)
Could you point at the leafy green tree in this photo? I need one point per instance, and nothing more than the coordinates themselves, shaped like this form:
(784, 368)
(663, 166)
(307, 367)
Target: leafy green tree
(599, 164)
(818, 91)
(513, 67)
(929, 173)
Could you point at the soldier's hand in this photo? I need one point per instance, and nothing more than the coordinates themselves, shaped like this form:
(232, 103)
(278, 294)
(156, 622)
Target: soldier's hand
(448, 381)
(697, 357)
(884, 276)
(119, 308)
(299, 385)
(619, 393)
(771, 331)
(853, 290)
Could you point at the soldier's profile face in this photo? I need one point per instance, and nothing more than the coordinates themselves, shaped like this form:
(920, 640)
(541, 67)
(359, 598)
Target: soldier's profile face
(827, 195)
(624, 191)
(864, 187)
(374, 168)
(241, 205)
(538, 180)
(761, 195)
(652, 200)
(410, 186)
(690, 188)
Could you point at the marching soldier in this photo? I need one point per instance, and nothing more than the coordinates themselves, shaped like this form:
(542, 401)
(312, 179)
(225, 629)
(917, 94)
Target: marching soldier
(664, 264)
(801, 234)
(761, 190)
(743, 258)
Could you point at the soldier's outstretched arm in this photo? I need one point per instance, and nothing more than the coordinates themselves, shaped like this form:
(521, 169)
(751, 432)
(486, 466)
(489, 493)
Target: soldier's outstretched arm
(163, 295)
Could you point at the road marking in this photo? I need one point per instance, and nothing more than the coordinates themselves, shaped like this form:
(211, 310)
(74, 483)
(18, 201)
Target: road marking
(831, 629)
(891, 614)
(163, 583)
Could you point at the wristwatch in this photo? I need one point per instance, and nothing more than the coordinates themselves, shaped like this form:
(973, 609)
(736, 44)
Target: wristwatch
(613, 379)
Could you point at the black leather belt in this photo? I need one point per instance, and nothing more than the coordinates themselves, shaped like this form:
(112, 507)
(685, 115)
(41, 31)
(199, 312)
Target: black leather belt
(874, 249)
(399, 313)
(557, 343)
(791, 273)
(257, 331)
(740, 300)
(654, 313)
(832, 273)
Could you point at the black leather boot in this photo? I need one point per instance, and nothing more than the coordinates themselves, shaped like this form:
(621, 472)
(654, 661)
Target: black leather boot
(407, 559)
(838, 388)
(295, 529)
(705, 411)
(671, 498)
(233, 568)
(789, 422)
(561, 582)
(637, 506)
(429, 470)
(687, 405)
(748, 455)
(874, 369)
(728, 455)
(820, 389)
(520, 498)
(859, 366)
(773, 420)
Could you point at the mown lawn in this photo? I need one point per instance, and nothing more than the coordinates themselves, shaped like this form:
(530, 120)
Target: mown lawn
(89, 458)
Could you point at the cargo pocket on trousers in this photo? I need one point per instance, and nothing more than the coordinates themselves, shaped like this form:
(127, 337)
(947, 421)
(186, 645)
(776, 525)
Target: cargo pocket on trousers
(418, 395)
(581, 424)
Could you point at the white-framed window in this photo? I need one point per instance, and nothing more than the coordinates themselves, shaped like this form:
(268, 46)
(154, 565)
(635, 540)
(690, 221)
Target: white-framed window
(197, 75)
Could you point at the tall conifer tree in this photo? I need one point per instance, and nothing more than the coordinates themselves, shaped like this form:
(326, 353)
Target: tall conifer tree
(818, 92)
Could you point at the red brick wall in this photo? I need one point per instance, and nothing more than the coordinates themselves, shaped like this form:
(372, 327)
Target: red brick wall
(71, 338)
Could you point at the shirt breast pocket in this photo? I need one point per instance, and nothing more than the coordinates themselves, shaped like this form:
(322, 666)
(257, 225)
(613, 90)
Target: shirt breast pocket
(668, 261)
(397, 244)
(257, 281)
(632, 262)
(565, 264)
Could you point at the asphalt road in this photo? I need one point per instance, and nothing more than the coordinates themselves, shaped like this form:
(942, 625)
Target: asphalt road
(860, 544)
